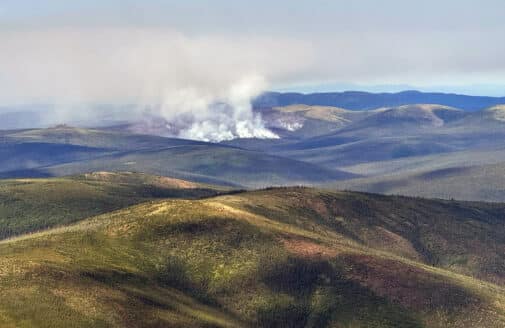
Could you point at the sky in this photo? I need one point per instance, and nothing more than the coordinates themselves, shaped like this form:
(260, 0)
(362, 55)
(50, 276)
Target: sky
(451, 46)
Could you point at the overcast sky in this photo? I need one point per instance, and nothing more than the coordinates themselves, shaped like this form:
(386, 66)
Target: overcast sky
(99, 50)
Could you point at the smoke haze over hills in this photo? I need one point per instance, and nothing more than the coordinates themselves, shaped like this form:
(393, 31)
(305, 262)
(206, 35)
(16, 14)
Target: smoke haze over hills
(174, 61)
(206, 83)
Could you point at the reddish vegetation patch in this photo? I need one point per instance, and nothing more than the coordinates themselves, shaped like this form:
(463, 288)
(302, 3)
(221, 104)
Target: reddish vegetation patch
(306, 248)
(381, 238)
(407, 285)
(315, 204)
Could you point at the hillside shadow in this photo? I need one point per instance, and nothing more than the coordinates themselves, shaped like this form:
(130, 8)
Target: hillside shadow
(170, 289)
(26, 173)
(356, 290)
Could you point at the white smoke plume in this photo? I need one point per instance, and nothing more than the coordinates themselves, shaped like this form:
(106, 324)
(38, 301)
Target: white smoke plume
(216, 117)
(201, 86)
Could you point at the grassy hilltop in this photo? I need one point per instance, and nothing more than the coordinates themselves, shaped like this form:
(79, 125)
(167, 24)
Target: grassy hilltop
(289, 257)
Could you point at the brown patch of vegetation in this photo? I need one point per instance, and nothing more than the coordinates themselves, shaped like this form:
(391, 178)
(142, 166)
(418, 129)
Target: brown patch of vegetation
(307, 248)
(407, 285)
(382, 238)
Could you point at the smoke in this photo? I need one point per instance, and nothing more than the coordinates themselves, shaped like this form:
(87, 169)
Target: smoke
(200, 86)
(215, 117)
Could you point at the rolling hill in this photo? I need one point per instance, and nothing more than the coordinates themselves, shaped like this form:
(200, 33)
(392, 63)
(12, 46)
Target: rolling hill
(356, 100)
(304, 121)
(484, 182)
(288, 257)
(28, 205)
(218, 165)
(418, 117)
(419, 150)
(409, 145)
(374, 136)
(65, 150)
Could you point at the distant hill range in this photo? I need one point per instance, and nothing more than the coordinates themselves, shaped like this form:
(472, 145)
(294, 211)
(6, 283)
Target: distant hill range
(357, 100)
(64, 150)
(409, 143)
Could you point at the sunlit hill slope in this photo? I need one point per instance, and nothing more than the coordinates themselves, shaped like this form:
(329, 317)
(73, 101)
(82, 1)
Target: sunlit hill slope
(288, 257)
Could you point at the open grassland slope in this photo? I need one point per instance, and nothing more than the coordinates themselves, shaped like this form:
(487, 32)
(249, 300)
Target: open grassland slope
(290, 257)
(28, 205)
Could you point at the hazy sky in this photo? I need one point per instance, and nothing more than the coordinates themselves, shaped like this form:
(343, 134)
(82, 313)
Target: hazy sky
(99, 50)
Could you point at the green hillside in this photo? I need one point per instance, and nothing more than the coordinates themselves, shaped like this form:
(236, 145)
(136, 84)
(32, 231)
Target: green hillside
(28, 205)
(289, 257)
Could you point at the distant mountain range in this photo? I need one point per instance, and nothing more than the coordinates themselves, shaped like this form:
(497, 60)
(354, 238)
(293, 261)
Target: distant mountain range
(357, 100)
